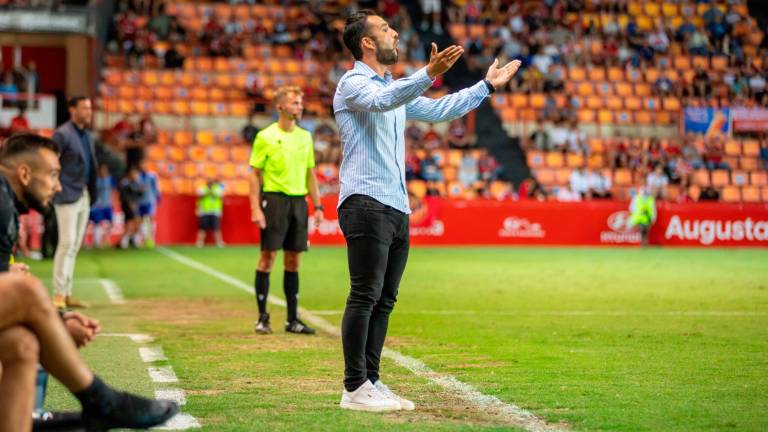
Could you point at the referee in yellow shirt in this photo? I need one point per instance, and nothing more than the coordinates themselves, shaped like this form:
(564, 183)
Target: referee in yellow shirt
(283, 161)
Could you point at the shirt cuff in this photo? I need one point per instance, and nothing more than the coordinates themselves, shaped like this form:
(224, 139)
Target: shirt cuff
(423, 78)
(480, 89)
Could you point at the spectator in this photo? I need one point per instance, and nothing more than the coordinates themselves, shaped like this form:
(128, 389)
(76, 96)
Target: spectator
(20, 122)
(579, 181)
(249, 131)
(656, 182)
(566, 194)
(430, 10)
(430, 168)
(31, 77)
(709, 193)
(599, 184)
(530, 188)
(692, 156)
(468, 170)
(432, 139)
(131, 192)
(160, 23)
(8, 85)
(713, 155)
(764, 153)
(487, 166)
(457, 136)
(559, 136)
(101, 208)
(577, 140)
(172, 59)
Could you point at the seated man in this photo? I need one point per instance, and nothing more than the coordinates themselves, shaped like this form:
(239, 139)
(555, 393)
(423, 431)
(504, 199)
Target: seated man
(31, 332)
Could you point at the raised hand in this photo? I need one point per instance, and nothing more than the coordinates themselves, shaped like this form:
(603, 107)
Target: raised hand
(440, 62)
(498, 76)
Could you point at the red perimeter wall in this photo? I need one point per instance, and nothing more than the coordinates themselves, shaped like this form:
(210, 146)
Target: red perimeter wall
(486, 222)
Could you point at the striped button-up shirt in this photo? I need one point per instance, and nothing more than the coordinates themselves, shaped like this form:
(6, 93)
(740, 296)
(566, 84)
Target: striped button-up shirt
(371, 112)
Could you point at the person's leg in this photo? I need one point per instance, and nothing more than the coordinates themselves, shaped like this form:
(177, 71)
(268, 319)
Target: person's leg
(377, 327)
(261, 284)
(66, 217)
(291, 284)
(81, 225)
(19, 351)
(367, 257)
(25, 301)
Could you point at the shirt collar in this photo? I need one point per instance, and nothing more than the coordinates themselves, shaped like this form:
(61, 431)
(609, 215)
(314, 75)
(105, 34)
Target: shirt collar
(370, 73)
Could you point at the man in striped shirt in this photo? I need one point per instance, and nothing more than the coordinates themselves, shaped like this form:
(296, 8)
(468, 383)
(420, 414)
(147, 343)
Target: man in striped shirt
(371, 110)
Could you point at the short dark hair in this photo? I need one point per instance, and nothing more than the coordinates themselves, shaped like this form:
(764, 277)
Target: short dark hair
(355, 29)
(73, 101)
(25, 143)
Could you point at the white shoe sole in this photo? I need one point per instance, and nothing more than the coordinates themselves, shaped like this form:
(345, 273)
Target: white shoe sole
(363, 407)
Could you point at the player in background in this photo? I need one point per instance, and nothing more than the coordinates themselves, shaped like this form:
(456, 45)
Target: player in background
(148, 205)
(101, 209)
(209, 209)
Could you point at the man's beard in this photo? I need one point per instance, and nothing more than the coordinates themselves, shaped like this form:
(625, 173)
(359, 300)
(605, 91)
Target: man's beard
(35, 203)
(385, 56)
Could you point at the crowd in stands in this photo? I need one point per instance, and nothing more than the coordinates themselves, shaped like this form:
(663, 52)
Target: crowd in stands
(669, 55)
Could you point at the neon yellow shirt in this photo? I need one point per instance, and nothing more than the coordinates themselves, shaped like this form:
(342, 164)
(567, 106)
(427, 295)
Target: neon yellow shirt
(284, 158)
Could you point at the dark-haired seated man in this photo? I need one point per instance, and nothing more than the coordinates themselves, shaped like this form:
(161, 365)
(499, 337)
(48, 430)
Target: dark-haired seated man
(31, 330)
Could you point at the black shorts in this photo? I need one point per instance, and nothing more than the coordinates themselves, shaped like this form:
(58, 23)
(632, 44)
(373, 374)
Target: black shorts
(208, 222)
(287, 222)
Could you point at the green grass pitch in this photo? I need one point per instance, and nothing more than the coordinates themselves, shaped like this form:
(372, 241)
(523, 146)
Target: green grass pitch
(597, 339)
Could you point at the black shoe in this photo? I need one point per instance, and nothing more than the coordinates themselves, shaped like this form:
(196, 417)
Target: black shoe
(262, 325)
(57, 421)
(297, 326)
(128, 411)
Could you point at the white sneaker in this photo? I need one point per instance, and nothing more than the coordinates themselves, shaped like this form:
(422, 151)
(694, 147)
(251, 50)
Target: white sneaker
(404, 403)
(368, 398)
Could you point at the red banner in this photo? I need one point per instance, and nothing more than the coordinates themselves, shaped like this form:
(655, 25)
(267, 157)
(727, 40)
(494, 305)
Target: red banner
(749, 119)
(486, 222)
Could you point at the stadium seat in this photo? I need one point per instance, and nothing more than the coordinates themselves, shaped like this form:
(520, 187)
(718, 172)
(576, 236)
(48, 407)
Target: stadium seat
(197, 153)
(545, 176)
(219, 154)
(732, 148)
(182, 138)
(535, 159)
(190, 169)
(562, 176)
(759, 178)
(228, 171)
(155, 152)
(176, 154)
(731, 194)
(555, 160)
(751, 148)
(701, 178)
(622, 177)
(739, 178)
(720, 178)
(456, 189)
(750, 194)
(586, 115)
(574, 160)
(595, 161)
(748, 163)
(418, 188)
(449, 173)
(500, 189)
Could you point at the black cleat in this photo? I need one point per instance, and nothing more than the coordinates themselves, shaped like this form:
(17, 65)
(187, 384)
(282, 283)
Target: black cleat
(297, 326)
(262, 325)
(128, 411)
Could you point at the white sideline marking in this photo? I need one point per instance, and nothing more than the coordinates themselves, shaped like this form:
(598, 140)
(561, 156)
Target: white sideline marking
(151, 354)
(569, 313)
(136, 337)
(113, 291)
(175, 395)
(162, 374)
(491, 404)
(180, 421)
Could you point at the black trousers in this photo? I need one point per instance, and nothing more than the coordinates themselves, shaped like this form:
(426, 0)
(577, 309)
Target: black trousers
(377, 250)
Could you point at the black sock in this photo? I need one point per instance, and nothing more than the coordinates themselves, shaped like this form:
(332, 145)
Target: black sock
(97, 396)
(262, 290)
(291, 290)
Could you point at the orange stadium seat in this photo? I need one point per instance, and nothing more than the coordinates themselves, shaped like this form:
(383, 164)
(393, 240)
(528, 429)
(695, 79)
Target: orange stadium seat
(586, 116)
(623, 89)
(219, 154)
(574, 160)
(643, 117)
(622, 177)
(594, 102)
(596, 145)
(615, 75)
(614, 103)
(180, 108)
(605, 116)
(642, 89)
(535, 159)
(751, 147)
(577, 74)
(720, 178)
(759, 178)
(228, 171)
(538, 100)
(182, 138)
(562, 176)
(633, 103)
(176, 154)
(701, 177)
(190, 169)
(519, 100)
(739, 178)
(204, 137)
(545, 176)
(155, 152)
(595, 161)
(731, 194)
(456, 189)
(732, 148)
(750, 194)
(671, 103)
(418, 188)
(748, 163)
(555, 160)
